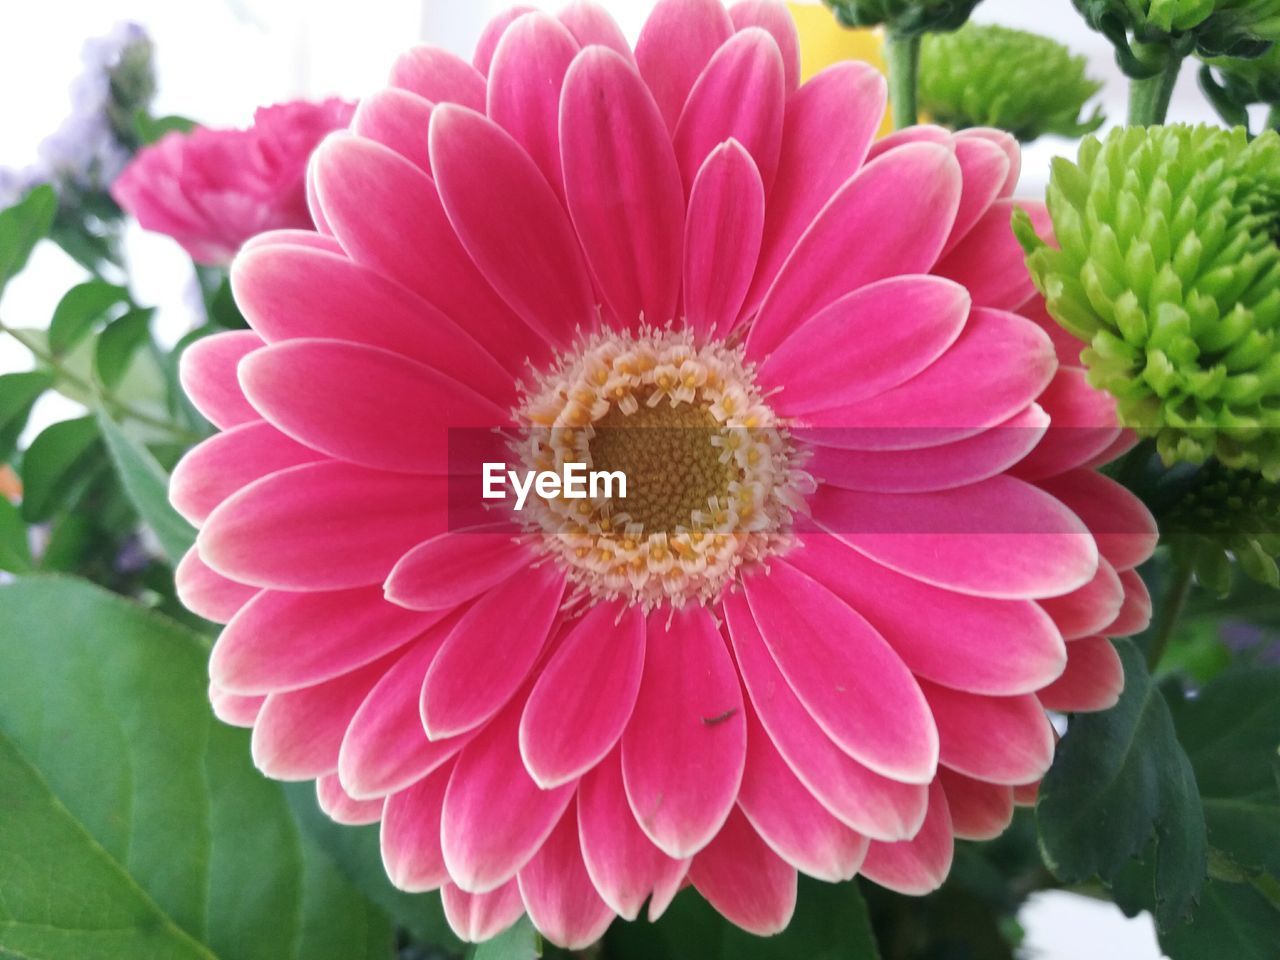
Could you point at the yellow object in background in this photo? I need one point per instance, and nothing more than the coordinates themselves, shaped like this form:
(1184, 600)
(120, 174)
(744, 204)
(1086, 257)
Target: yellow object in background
(824, 41)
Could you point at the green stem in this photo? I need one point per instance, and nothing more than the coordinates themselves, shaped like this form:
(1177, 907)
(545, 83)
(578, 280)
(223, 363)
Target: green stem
(1174, 599)
(120, 408)
(1149, 98)
(1273, 118)
(902, 54)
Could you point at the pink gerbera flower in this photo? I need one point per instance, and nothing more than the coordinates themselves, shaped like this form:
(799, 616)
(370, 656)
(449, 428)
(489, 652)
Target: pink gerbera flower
(822, 639)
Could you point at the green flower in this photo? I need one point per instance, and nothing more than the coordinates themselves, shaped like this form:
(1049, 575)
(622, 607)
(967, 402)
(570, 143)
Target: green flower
(1224, 515)
(906, 18)
(989, 76)
(1169, 270)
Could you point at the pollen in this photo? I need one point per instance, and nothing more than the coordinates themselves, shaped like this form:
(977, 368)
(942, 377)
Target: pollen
(712, 477)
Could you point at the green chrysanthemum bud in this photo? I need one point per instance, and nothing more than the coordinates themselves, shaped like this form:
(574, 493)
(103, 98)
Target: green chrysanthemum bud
(1226, 515)
(1236, 28)
(907, 18)
(990, 76)
(1169, 269)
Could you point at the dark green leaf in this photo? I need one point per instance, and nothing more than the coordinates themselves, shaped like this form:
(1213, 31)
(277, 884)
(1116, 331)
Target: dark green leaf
(118, 343)
(223, 310)
(149, 129)
(15, 552)
(1231, 732)
(358, 855)
(23, 226)
(135, 827)
(80, 308)
(1120, 778)
(18, 394)
(1234, 921)
(59, 462)
(148, 488)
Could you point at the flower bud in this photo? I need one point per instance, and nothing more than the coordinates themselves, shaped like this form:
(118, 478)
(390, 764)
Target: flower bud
(904, 17)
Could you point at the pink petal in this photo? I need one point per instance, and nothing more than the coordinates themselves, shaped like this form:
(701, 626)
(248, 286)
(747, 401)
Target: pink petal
(676, 43)
(1000, 538)
(773, 17)
(906, 201)
(684, 748)
(397, 119)
(584, 696)
(1083, 424)
(233, 709)
(490, 652)
(206, 593)
(1006, 142)
(437, 75)
(1006, 740)
(922, 133)
(558, 894)
(291, 293)
(622, 185)
(1066, 345)
(493, 33)
(455, 567)
(1093, 680)
(479, 917)
(865, 343)
(341, 807)
(996, 369)
(283, 641)
(306, 239)
(322, 526)
(511, 223)
(216, 468)
(386, 749)
(996, 647)
(410, 834)
(1122, 525)
(495, 817)
(624, 865)
(207, 370)
(849, 679)
(388, 216)
(829, 126)
(943, 467)
(740, 95)
(744, 880)
(722, 238)
(591, 24)
(789, 818)
(524, 88)
(990, 262)
(1025, 795)
(1089, 609)
(985, 166)
(865, 801)
(1135, 613)
(298, 733)
(920, 865)
(979, 811)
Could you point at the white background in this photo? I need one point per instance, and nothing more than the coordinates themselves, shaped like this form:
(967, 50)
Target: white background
(217, 60)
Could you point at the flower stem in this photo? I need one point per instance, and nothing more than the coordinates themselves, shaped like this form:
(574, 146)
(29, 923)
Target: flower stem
(1149, 98)
(903, 57)
(1273, 118)
(121, 408)
(1174, 599)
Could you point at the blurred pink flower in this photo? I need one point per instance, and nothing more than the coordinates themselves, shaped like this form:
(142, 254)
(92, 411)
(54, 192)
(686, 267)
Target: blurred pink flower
(211, 190)
(828, 640)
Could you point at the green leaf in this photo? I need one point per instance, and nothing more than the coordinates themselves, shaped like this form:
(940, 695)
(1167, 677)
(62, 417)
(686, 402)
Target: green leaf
(1231, 732)
(1234, 920)
(147, 485)
(1120, 778)
(357, 853)
(79, 309)
(118, 343)
(18, 394)
(521, 942)
(150, 129)
(15, 551)
(59, 462)
(22, 226)
(135, 827)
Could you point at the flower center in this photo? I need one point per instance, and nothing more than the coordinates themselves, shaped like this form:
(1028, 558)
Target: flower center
(712, 478)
